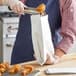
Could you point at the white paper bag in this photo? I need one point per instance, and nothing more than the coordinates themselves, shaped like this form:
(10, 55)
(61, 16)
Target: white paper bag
(41, 38)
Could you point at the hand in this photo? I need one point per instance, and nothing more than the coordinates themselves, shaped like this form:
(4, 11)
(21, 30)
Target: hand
(52, 59)
(16, 6)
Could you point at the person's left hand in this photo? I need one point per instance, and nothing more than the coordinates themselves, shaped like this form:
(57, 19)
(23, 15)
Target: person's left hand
(52, 59)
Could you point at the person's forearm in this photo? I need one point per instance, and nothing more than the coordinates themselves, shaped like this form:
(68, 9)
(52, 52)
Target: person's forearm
(65, 44)
(68, 28)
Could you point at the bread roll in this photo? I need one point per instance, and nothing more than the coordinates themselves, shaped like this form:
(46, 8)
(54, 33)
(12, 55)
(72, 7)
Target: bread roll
(41, 8)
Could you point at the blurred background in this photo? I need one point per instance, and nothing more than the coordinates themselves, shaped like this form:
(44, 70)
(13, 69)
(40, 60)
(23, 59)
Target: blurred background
(8, 29)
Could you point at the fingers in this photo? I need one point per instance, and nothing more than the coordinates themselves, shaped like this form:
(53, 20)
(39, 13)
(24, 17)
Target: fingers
(57, 59)
(18, 7)
(49, 60)
(52, 59)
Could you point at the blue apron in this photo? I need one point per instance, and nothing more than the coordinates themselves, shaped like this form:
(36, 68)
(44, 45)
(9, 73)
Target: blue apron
(54, 18)
(23, 49)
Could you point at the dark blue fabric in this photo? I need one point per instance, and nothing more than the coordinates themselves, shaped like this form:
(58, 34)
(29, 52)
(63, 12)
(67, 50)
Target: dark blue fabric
(54, 17)
(23, 49)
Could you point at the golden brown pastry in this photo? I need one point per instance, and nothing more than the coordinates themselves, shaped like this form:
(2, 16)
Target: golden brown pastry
(17, 68)
(0, 74)
(6, 64)
(30, 67)
(2, 70)
(26, 69)
(41, 8)
(11, 71)
(24, 72)
(2, 65)
(14, 69)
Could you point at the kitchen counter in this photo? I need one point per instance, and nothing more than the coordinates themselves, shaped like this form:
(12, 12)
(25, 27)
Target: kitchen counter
(66, 61)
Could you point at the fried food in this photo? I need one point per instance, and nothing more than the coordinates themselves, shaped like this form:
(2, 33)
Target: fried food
(4, 67)
(27, 69)
(0, 74)
(41, 8)
(11, 71)
(21, 69)
(17, 67)
(30, 67)
(23, 73)
(2, 70)
(14, 69)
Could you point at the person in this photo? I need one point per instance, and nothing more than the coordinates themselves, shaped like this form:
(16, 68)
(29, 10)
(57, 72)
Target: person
(16, 5)
(61, 16)
(65, 36)
(23, 48)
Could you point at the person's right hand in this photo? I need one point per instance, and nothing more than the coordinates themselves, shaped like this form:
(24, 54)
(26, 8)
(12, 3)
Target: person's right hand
(16, 6)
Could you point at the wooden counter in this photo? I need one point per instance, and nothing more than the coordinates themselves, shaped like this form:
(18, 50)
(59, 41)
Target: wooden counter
(66, 61)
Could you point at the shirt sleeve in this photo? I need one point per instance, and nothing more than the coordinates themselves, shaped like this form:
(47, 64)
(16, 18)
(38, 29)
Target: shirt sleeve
(68, 27)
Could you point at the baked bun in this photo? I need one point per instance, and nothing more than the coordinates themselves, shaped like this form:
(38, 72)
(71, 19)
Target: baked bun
(26, 69)
(14, 69)
(41, 8)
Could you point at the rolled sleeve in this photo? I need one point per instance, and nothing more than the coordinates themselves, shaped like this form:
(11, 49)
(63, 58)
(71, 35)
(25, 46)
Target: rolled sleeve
(68, 28)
